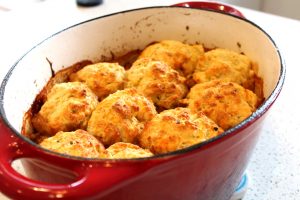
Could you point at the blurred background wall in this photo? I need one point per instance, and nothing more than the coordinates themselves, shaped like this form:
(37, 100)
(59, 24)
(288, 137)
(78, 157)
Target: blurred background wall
(287, 8)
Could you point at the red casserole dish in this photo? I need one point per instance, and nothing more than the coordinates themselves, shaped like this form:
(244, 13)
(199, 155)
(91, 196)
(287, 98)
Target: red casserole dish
(209, 170)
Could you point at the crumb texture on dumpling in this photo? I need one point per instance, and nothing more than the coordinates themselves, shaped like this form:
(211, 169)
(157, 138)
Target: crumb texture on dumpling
(75, 143)
(102, 78)
(157, 81)
(68, 107)
(175, 129)
(181, 57)
(225, 65)
(126, 150)
(120, 117)
(226, 103)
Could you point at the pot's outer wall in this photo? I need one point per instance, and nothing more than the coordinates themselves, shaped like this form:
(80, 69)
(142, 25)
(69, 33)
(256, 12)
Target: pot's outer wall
(210, 173)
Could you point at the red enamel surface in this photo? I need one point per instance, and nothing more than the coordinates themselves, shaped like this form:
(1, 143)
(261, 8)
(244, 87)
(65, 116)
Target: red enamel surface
(212, 6)
(193, 175)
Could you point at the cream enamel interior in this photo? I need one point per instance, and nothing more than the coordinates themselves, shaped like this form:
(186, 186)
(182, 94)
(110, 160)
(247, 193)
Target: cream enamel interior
(120, 33)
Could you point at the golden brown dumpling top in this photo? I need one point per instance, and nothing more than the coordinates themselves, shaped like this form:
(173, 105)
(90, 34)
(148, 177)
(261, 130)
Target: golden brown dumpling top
(175, 129)
(181, 57)
(102, 78)
(226, 103)
(127, 150)
(68, 107)
(157, 81)
(76, 143)
(225, 65)
(120, 117)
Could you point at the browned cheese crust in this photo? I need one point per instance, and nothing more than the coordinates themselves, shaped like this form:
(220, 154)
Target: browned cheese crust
(157, 81)
(102, 78)
(225, 65)
(181, 57)
(68, 107)
(198, 94)
(175, 129)
(226, 103)
(126, 150)
(120, 117)
(76, 143)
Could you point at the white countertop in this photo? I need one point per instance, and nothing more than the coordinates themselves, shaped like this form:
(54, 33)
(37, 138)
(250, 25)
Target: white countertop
(274, 169)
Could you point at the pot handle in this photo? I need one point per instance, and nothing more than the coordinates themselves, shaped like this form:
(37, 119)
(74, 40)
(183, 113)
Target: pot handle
(211, 6)
(95, 179)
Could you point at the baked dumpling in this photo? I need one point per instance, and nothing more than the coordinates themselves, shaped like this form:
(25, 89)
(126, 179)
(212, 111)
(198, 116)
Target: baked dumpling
(225, 65)
(181, 57)
(68, 107)
(120, 117)
(157, 81)
(75, 143)
(126, 150)
(226, 103)
(102, 78)
(176, 129)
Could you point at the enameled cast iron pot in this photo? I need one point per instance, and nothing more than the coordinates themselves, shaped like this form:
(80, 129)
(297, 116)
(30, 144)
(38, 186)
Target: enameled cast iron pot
(207, 171)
